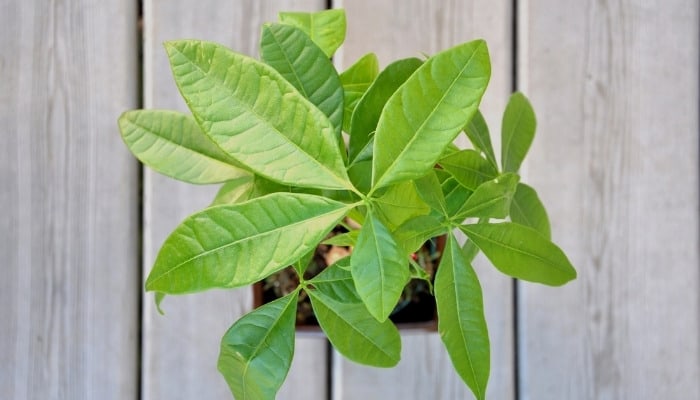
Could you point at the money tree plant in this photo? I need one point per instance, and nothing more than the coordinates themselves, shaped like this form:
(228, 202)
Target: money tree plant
(301, 148)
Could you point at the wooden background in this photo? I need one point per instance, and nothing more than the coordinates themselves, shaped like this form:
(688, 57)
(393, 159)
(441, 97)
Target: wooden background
(615, 86)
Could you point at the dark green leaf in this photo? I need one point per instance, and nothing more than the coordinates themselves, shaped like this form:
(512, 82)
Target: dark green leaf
(527, 209)
(326, 28)
(356, 80)
(518, 130)
(478, 133)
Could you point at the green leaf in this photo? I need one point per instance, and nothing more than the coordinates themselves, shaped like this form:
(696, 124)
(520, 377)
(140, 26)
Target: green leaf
(521, 252)
(400, 203)
(326, 28)
(235, 245)
(355, 333)
(364, 119)
(461, 320)
(246, 188)
(456, 195)
(469, 168)
(235, 99)
(379, 268)
(416, 231)
(302, 264)
(428, 111)
(361, 175)
(356, 80)
(336, 282)
(478, 133)
(430, 190)
(527, 209)
(491, 199)
(257, 351)
(172, 144)
(159, 300)
(292, 53)
(518, 130)
(343, 239)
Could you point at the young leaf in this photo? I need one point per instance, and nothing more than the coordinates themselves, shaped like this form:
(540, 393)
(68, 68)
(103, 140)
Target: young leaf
(257, 351)
(246, 188)
(379, 268)
(461, 320)
(518, 130)
(366, 115)
(172, 144)
(521, 252)
(491, 199)
(326, 28)
(235, 245)
(469, 168)
(355, 333)
(478, 133)
(428, 111)
(527, 209)
(234, 99)
(356, 80)
(292, 53)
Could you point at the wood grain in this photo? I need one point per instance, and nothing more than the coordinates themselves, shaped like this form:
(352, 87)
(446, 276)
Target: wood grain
(397, 29)
(181, 348)
(69, 233)
(615, 85)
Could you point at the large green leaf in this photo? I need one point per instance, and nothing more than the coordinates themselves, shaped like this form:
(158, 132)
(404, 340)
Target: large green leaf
(257, 351)
(518, 130)
(428, 111)
(355, 333)
(236, 245)
(379, 268)
(461, 320)
(237, 101)
(292, 53)
(246, 188)
(172, 144)
(527, 209)
(469, 168)
(326, 28)
(491, 199)
(356, 80)
(521, 252)
(369, 108)
(477, 131)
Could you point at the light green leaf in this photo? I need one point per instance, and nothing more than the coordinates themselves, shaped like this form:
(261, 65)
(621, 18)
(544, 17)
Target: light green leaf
(292, 53)
(469, 168)
(400, 203)
(461, 320)
(343, 239)
(379, 268)
(172, 144)
(416, 231)
(430, 190)
(478, 133)
(257, 351)
(246, 188)
(456, 195)
(355, 333)
(527, 209)
(356, 80)
(336, 282)
(491, 199)
(366, 115)
(235, 99)
(236, 245)
(521, 252)
(361, 175)
(428, 111)
(326, 28)
(159, 300)
(518, 130)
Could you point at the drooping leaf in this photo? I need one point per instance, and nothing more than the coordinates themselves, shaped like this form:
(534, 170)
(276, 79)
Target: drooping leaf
(236, 245)
(527, 209)
(292, 53)
(428, 111)
(364, 119)
(521, 252)
(336, 282)
(356, 80)
(379, 268)
(326, 28)
(355, 333)
(461, 320)
(491, 199)
(246, 188)
(469, 168)
(400, 203)
(518, 130)
(235, 99)
(172, 144)
(478, 133)
(257, 351)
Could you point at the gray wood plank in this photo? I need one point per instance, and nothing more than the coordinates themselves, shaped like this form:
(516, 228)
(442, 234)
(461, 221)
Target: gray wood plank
(616, 160)
(181, 348)
(69, 232)
(397, 29)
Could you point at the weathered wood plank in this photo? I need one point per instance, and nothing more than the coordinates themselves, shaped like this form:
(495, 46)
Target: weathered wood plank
(69, 232)
(397, 29)
(181, 348)
(616, 88)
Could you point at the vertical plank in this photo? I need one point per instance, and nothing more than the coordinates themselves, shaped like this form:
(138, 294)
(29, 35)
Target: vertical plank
(397, 29)
(181, 348)
(69, 232)
(616, 87)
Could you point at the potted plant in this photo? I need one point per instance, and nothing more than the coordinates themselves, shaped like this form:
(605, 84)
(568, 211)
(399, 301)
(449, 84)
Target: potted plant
(271, 131)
